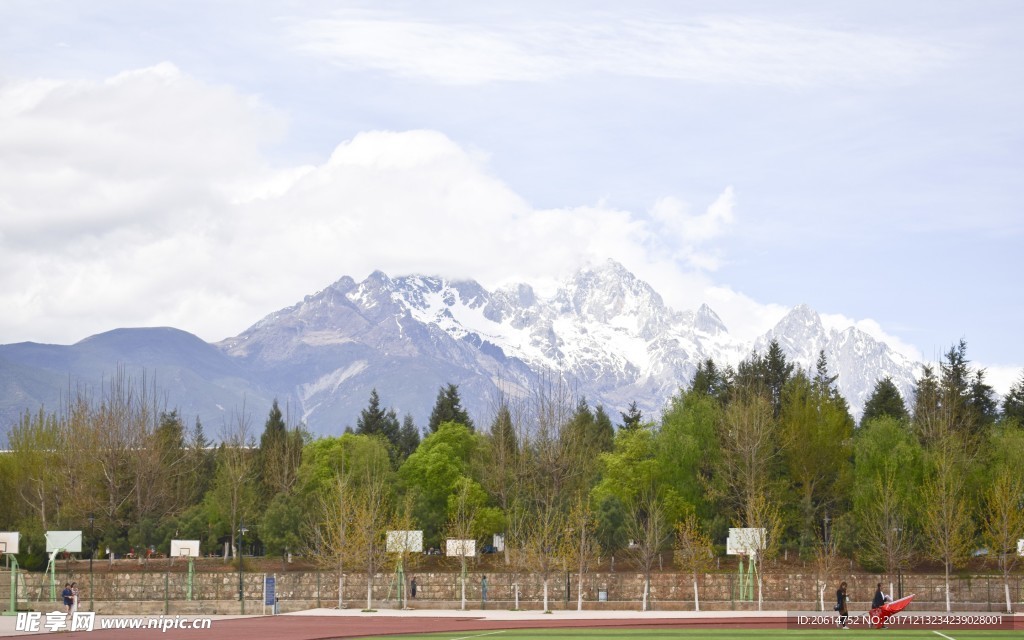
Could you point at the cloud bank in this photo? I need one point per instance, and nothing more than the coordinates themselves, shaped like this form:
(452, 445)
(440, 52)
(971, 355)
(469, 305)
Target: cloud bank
(706, 49)
(148, 199)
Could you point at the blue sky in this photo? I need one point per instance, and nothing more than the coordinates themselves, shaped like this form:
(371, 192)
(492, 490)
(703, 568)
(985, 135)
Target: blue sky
(202, 164)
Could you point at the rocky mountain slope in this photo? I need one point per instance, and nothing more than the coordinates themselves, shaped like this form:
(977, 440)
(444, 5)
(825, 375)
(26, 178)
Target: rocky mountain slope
(608, 334)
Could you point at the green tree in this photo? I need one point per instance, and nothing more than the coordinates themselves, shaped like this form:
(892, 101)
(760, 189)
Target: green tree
(687, 450)
(603, 435)
(778, 371)
(374, 420)
(693, 551)
(633, 417)
(282, 528)
(408, 437)
(817, 431)
(432, 472)
(751, 454)
(929, 419)
(1003, 522)
(280, 454)
(448, 408)
(946, 520)
(885, 400)
(1013, 402)
(711, 381)
(580, 548)
(887, 470)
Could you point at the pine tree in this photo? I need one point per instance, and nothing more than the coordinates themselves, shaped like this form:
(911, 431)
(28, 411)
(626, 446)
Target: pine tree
(279, 455)
(408, 437)
(448, 408)
(928, 421)
(273, 443)
(885, 400)
(778, 371)
(1013, 403)
(373, 420)
(604, 430)
(982, 403)
(632, 418)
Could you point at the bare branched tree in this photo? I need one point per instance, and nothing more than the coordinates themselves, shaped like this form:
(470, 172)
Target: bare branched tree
(694, 551)
(946, 519)
(1004, 522)
(580, 548)
(649, 533)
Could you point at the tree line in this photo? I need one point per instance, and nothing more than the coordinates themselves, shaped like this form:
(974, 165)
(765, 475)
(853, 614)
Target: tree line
(762, 445)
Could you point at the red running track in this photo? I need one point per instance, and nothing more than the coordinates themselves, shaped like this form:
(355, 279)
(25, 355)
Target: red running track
(324, 627)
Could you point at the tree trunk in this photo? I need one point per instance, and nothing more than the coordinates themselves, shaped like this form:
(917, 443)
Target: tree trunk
(647, 588)
(341, 590)
(948, 607)
(516, 595)
(579, 593)
(546, 609)
(463, 588)
(1006, 587)
(696, 595)
(369, 591)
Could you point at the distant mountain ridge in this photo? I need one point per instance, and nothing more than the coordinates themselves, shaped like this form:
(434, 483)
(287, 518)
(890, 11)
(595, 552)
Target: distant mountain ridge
(607, 333)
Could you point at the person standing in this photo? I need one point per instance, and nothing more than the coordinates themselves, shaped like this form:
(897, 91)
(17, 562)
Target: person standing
(74, 597)
(412, 588)
(483, 589)
(66, 595)
(842, 606)
(879, 598)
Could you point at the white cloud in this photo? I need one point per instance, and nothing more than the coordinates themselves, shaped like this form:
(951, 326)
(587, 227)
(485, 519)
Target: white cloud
(144, 200)
(708, 49)
(147, 200)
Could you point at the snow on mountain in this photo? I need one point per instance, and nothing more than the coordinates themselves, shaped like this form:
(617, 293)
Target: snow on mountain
(856, 357)
(609, 334)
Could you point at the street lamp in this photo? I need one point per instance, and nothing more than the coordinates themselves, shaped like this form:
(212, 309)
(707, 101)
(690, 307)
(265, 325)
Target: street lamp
(241, 570)
(92, 552)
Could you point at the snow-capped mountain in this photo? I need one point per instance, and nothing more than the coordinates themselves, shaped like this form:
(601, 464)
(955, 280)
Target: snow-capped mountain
(608, 335)
(856, 357)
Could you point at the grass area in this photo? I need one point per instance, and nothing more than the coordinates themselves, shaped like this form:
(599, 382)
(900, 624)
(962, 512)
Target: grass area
(711, 634)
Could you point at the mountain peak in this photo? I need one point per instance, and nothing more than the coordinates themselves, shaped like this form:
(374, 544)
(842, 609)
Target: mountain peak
(707, 321)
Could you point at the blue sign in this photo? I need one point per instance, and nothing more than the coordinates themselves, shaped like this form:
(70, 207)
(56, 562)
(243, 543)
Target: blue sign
(269, 590)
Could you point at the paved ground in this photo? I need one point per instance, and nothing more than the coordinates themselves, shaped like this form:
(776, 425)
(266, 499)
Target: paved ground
(351, 623)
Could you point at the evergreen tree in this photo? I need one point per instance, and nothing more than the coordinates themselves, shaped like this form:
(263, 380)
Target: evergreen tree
(709, 380)
(408, 437)
(766, 375)
(1013, 403)
(604, 430)
(272, 444)
(885, 400)
(374, 420)
(778, 371)
(280, 454)
(984, 407)
(448, 408)
(632, 418)
(928, 423)
(274, 430)
(824, 383)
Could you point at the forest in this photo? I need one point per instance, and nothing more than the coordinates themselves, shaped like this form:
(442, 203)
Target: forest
(934, 479)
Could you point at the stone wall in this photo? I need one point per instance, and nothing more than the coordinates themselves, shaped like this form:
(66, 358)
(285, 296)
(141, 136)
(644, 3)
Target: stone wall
(218, 592)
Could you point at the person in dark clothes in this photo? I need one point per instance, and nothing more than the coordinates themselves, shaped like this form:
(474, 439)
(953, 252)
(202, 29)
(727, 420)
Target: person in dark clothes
(413, 588)
(842, 606)
(66, 595)
(879, 598)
